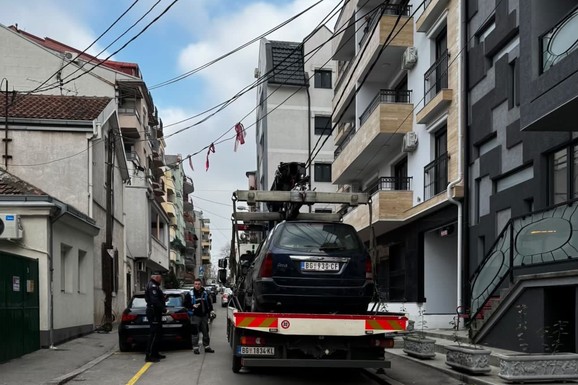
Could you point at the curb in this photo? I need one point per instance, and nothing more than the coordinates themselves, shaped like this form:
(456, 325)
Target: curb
(69, 376)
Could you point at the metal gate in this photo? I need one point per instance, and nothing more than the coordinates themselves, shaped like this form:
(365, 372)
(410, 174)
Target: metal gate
(19, 312)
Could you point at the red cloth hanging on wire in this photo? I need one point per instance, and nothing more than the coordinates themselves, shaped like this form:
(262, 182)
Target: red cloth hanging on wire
(211, 149)
(240, 138)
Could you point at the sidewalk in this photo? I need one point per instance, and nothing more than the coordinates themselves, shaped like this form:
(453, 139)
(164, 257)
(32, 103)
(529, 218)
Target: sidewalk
(443, 338)
(59, 365)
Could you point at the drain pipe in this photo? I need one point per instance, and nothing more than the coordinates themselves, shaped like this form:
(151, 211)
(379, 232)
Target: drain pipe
(57, 214)
(452, 184)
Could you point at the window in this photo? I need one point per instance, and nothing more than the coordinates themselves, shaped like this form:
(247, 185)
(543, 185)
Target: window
(322, 172)
(82, 271)
(65, 269)
(322, 79)
(514, 86)
(322, 125)
(564, 174)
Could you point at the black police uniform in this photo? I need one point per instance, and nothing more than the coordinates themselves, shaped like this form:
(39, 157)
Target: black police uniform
(155, 308)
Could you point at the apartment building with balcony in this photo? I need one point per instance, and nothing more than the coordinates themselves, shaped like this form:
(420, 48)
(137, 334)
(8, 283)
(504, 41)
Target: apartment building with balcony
(294, 114)
(129, 138)
(190, 234)
(521, 174)
(398, 137)
(176, 174)
(202, 235)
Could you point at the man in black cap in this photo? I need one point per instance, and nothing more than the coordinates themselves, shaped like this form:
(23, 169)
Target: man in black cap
(155, 308)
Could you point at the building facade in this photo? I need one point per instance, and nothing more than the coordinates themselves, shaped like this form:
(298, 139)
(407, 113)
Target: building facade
(522, 94)
(294, 114)
(129, 123)
(397, 110)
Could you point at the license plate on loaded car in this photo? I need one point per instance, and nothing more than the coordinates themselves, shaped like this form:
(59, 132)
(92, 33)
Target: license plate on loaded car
(320, 266)
(256, 350)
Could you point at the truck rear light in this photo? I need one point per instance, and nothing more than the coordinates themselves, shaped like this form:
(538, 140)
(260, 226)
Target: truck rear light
(180, 316)
(266, 269)
(368, 269)
(386, 343)
(246, 340)
(127, 317)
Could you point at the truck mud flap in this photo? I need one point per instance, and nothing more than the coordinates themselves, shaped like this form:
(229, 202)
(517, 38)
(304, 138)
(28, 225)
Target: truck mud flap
(313, 363)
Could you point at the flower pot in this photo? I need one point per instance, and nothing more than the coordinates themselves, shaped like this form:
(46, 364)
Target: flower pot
(524, 367)
(469, 359)
(419, 347)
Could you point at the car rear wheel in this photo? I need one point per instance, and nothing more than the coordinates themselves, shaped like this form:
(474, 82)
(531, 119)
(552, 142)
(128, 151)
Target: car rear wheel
(124, 346)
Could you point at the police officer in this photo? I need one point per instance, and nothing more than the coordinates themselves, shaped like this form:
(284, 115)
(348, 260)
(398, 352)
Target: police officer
(155, 308)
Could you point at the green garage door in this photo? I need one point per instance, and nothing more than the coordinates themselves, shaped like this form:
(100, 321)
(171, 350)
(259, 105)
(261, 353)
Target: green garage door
(19, 314)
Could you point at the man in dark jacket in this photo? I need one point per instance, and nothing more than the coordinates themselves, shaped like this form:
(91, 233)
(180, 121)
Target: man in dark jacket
(155, 308)
(201, 308)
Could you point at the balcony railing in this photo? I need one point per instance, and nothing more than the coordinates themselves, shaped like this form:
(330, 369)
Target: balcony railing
(560, 41)
(342, 68)
(390, 183)
(385, 96)
(390, 9)
(436, 77)
(340, 148)
(436, 176)
(543, 237)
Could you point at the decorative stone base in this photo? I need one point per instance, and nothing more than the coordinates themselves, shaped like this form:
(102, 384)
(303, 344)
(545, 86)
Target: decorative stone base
(423, 348)
(526, 367)
(468, 359)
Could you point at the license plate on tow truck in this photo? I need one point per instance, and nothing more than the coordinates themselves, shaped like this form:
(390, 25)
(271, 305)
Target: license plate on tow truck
(256, 350)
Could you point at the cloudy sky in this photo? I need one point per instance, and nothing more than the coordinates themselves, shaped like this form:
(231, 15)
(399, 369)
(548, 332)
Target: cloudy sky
(190, 34)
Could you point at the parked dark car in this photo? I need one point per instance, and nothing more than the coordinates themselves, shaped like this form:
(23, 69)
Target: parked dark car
(133, 329)
(211, 292)
(307, 266)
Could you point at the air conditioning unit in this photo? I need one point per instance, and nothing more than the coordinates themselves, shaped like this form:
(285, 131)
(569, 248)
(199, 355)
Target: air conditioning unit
(409, 142)
(10, 226)
(409, 59)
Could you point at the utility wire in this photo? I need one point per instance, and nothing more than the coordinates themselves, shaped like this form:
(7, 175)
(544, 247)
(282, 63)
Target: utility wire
(444, 73)
(262, 79)
(387, 42)
(86, 49)
(218, 140)
(117, 51)
(200, 68)
(95, 57)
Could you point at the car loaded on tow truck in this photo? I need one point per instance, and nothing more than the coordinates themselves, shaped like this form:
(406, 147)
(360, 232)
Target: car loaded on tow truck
(302, 297)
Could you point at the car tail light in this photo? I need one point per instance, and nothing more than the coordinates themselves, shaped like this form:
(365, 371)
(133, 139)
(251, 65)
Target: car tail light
(246, 340)
(266, 269)
(368, 269)
(386, 343)
(127, 317)
(180, 316)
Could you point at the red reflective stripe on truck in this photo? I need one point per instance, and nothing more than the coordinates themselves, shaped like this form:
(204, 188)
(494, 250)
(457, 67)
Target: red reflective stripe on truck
(249, 321)
(390, 324)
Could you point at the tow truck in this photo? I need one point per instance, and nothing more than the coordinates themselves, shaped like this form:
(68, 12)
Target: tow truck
(273, 339)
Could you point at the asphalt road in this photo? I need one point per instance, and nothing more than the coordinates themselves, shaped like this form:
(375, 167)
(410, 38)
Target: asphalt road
(183, 367)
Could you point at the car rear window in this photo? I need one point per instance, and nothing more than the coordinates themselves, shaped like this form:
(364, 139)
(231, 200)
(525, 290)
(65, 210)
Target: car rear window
(318, 237)
(172, 301)
(138, 302)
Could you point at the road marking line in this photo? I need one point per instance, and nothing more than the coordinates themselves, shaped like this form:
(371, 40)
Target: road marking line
(139, 373)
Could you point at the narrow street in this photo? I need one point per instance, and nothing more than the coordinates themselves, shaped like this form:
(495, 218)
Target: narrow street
(182, 366)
